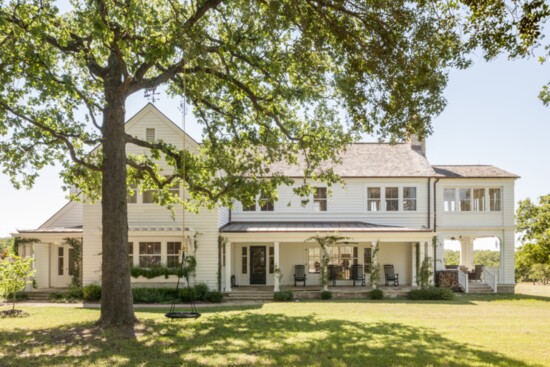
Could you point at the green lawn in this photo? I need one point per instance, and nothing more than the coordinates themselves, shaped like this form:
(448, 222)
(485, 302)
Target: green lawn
(470, 331)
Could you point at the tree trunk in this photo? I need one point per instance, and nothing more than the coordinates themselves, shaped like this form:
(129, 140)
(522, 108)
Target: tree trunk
(116, 293)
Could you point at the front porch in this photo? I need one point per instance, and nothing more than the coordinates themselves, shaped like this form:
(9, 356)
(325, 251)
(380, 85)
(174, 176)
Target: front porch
(265, 293)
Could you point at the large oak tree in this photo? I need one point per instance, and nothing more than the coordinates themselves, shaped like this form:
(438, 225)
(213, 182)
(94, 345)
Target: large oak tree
(269, 80)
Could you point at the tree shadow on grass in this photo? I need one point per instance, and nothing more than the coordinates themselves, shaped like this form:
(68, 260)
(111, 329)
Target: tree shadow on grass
(242, 339)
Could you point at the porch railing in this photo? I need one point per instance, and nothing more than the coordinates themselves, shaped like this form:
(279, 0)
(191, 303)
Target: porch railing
(490, 277)
(463, 280)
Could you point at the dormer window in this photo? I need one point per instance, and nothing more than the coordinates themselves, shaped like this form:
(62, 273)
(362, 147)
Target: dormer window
(320, 199)
(150, 135)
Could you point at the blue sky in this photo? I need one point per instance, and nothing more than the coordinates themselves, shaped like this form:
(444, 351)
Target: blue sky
(493, 116)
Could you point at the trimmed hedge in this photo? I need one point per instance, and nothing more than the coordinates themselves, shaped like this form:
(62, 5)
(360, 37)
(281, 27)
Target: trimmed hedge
(431, 294)
(75, 294)
(283, 296)
(377, 294)
(92, 292)
(19, 296)
(214, 297)
(155, 271)
(326, 295)
(154, 295)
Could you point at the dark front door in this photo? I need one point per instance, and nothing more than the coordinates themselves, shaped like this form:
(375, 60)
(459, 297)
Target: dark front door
(257, 264)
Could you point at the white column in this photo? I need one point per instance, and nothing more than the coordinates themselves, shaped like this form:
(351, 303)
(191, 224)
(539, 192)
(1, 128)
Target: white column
(276, 285)
(471, 253)
(374, 245)
(228, 266)
(413, 257)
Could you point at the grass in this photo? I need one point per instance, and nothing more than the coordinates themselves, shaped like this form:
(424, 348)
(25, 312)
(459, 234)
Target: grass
(478, 330)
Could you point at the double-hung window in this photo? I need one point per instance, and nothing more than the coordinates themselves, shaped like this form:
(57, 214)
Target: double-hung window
(131, 253)
(266, 203)
(320, 199)
(409, 198)
(373, 199)
(149, 254)
(250, 208)
(132, 194)
(244, 260)
(60, 261)
(449, 197)
(392, 199)
(149, 196)
(464, 199)
(479, 200)
(314, 259)
(173, 250)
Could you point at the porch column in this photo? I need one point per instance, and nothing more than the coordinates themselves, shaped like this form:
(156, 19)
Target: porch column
(276, 285)
(228, 266)
(413, 257)
(374, 245)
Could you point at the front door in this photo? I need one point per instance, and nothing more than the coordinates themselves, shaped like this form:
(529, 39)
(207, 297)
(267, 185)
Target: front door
(257, 264)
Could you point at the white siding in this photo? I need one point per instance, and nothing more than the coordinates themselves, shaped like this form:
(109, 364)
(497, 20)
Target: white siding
(347, 203)
(68, 216)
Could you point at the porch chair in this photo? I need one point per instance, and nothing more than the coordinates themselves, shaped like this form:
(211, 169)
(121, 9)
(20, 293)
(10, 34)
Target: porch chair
(332, 274)
(390, 275)
(299, 274)
(476, 274)
(357, 274)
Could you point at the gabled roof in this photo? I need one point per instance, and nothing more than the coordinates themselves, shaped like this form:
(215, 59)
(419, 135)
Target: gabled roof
(258, 227)
(372, 160)
(471, 171)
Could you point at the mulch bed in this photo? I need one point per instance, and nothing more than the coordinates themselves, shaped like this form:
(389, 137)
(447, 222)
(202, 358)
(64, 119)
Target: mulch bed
(13, 313)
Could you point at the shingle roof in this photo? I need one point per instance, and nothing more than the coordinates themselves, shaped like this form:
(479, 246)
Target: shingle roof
(372, 160)
(76, 229)
(471, 171)
(255, 227)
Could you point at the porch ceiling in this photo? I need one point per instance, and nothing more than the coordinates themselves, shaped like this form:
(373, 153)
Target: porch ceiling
(295, 227)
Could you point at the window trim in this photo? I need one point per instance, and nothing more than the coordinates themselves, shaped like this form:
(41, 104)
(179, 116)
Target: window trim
(320, 200)
(486, 199)
(396, 199)
(154, 254)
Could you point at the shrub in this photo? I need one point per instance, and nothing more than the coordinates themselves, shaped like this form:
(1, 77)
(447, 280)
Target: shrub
(283, 296)
(201, 291)
(188, 294)
(74, 294)
(377, 294)
(214, 297)
(326, 295)
(92, 292)
(431, 293)
(154, 295)
(19, 296)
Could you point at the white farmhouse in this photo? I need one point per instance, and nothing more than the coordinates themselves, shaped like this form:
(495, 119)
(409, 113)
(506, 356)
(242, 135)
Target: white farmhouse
(393, 200)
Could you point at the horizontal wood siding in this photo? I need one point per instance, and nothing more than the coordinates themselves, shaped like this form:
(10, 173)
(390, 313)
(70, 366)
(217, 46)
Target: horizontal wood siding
(68, 216)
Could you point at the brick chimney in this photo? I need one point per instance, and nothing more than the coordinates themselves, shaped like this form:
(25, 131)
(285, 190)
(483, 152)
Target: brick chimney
(417, 145)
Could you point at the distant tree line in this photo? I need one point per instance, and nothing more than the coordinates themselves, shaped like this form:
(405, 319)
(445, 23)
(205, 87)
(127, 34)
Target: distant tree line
(488, 258)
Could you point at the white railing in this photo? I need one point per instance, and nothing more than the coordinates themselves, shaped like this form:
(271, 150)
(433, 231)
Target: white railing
(463, 280)
(490, 277)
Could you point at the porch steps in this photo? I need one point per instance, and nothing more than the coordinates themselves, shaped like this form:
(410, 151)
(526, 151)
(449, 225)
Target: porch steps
(248, 295)
(479, 288)
(42, 295)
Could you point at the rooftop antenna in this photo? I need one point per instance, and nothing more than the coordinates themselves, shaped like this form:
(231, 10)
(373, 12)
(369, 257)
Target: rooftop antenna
(151, 94)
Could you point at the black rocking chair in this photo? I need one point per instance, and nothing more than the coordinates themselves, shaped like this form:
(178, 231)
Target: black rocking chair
(357, 274)
(390, 275)
(299, 274)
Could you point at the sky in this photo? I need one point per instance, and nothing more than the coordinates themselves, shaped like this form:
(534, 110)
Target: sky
(493, 116)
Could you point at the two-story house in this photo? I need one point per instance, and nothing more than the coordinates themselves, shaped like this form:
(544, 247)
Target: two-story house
(393, 200)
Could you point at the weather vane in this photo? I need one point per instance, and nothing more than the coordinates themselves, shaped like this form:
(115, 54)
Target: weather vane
(151, 94)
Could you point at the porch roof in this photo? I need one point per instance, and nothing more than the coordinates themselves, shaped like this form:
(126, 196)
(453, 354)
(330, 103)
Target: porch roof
(76, 229)
(259, 227)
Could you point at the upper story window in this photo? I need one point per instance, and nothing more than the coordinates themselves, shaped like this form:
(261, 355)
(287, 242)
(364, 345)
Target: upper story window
(409, 198)
(266, 203)
(449, 197)
(373, 199)
(132, 197)
(466, 199)
(250, 208)
(173, 188)
(320, 199)
(149, 196)
(150, 135)
(392, 199)
(495, 200)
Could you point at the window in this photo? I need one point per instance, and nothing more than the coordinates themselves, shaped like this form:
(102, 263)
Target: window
(173, 254)
(250, 208)
(409, 198)
(479, 200)
(464, 200)
(343, 257)
(71, 262)
(149, 196)
(368, 260)
(244, 264)
(174, 188)
(449, 204)
(60, 261)
(494, 200)
(266, 204)
(149, 254)
(320, 199)
(223, 253)
(314, 260)
(132, 197)
(150, 135)
(131, 254)
(392, 199)
(373, 199)
(271, 260)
